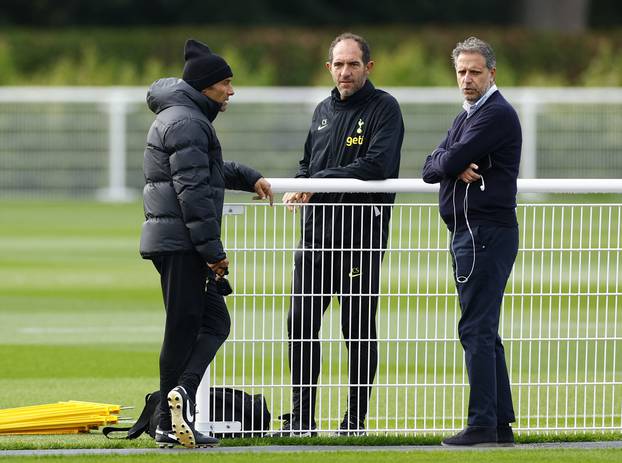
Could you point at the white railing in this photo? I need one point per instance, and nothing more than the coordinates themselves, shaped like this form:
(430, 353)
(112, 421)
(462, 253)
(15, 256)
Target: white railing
(417, 185)
(561, 320)
(88, 141)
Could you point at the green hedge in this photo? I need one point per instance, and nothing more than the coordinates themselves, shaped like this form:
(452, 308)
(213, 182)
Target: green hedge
(296, 56)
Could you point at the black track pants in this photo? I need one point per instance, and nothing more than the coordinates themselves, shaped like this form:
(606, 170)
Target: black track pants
(354, 277)
(197, 323)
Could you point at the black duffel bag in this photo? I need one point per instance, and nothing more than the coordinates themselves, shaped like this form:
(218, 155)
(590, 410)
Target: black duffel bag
(227, 404)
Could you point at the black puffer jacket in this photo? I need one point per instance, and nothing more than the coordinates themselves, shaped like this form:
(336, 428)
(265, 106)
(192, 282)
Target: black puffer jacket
(185, 176)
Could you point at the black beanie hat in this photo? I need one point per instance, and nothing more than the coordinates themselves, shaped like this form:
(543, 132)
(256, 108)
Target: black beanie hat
(203, 68)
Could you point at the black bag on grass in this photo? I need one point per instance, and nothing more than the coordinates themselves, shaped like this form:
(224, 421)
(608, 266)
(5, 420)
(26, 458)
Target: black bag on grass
(146, 422)
(226, 404)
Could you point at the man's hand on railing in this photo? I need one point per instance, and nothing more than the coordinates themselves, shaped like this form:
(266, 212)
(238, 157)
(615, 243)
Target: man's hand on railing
(263, 190)
(294, 199)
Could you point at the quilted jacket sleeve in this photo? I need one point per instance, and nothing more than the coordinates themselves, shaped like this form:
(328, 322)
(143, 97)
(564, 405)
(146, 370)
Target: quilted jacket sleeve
(240, 177)
(188, 141)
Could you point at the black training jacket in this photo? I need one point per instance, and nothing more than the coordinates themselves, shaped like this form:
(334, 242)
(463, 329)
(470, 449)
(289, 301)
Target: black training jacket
(359, 137)
(185, 176)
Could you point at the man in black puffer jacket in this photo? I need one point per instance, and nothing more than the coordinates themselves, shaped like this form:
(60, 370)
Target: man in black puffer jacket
(185, 179)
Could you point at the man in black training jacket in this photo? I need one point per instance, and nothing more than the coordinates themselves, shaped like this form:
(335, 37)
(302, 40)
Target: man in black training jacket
(357, 132)
(477, 167)
(185, 179)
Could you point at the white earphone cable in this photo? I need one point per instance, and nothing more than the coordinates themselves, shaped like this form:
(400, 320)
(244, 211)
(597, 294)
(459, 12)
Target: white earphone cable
(465, 204)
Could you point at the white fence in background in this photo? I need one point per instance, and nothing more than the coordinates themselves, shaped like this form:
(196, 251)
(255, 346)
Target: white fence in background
(561, 322)
(89, 141)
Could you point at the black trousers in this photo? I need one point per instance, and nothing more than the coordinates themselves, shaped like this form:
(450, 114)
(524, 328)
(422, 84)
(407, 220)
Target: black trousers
(490, 397)
(354, 277)
(197, 324)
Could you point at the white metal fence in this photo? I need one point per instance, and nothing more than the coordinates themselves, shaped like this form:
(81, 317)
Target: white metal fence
(82, 142)
(561, 320)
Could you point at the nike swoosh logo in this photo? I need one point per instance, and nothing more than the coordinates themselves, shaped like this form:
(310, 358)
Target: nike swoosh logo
(189, 415)
(320, 127)
(354, 275)
(167, 434)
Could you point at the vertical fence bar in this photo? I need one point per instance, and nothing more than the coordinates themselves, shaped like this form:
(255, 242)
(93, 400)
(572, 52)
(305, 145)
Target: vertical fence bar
(117, 190)
(529, 122)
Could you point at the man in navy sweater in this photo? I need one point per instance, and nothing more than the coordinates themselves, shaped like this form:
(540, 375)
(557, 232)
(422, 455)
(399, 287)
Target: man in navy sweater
(477, 166)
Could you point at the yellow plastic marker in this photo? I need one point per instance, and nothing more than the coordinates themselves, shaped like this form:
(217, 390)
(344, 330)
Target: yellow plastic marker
(70, 417)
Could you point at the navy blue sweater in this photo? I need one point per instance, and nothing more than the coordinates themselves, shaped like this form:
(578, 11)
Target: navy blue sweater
(490, 138)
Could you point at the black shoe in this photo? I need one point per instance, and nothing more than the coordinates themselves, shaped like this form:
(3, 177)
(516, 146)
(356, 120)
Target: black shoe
(203, 440)
(351, 426)
(165, 439)
(294, 427)
(473, 436)
(183, 417)
(505, 435)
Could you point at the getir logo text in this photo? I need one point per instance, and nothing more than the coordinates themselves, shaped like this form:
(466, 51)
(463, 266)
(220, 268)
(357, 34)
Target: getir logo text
(355, 140)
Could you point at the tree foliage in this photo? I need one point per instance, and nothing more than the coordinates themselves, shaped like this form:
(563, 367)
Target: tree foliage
(295, 55)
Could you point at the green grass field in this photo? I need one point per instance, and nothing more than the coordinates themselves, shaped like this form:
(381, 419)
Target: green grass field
(531, 455)
(81, 318)
(81, 314)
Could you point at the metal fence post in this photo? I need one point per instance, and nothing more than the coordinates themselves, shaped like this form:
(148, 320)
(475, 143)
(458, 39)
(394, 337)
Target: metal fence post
(529, 122)
(117, 190)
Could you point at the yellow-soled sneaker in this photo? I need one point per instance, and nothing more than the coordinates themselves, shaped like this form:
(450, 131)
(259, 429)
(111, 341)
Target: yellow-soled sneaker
(183, 417)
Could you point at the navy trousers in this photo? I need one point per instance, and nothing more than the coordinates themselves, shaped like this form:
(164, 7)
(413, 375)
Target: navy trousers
(197, 324)
(490, 397)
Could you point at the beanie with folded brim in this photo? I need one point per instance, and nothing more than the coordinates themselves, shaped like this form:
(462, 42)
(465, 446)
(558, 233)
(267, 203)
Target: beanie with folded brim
(203, 68)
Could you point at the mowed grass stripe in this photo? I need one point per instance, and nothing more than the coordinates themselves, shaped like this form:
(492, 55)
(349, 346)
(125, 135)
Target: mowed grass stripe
(61, 362)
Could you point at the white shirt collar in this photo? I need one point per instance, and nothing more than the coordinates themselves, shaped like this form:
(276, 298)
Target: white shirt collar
(471, 108)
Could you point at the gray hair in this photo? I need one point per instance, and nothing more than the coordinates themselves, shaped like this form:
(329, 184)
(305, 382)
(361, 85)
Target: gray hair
(350, 36)
(475, 45)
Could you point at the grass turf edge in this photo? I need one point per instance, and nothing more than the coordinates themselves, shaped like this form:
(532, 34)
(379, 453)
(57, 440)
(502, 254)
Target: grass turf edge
(97, 441)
